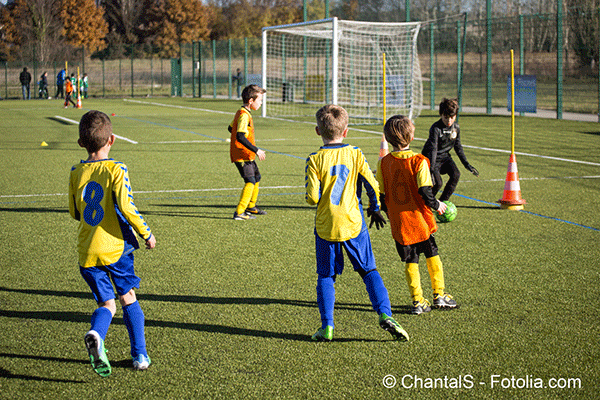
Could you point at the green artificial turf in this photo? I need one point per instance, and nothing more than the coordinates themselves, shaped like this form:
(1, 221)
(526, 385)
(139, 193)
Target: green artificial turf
(230, 305)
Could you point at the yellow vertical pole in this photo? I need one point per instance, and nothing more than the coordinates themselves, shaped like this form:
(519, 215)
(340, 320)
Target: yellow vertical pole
(512, 101)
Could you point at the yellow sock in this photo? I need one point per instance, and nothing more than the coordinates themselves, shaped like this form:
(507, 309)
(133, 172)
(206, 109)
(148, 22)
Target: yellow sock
(413, 278)
(436, 273)
(254, 196)
(245, 197)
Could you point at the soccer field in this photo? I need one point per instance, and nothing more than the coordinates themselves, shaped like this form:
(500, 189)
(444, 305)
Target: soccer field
(230, 305)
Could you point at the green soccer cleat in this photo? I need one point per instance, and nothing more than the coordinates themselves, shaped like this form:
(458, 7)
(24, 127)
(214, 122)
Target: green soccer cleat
(255, 211)
(97, 353)
(389, 324)
(444, 301)
(323, 334)
(420, 307)
(141, 362)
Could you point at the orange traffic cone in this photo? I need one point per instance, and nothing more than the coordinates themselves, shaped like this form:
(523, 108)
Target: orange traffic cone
(511, 198)
(383, 147)
(78, 100)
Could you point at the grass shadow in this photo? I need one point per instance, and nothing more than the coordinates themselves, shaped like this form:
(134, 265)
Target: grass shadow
(4, 373)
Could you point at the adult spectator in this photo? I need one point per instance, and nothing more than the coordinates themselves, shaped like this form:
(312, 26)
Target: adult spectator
(25, 78)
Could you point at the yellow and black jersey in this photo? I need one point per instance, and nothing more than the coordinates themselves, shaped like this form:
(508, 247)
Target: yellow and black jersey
(242, 147)
(100, 198)
(333, 182)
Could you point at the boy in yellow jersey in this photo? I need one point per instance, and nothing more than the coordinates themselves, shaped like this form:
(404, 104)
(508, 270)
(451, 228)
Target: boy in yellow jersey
(405, 182)
(100, 198)
(334, 178)
(243, 151)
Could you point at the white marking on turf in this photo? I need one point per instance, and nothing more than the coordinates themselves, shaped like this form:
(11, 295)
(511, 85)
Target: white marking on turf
(372, 132)
(154, 191)
(77, 123)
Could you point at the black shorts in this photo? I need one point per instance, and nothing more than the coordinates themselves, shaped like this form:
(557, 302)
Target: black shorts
(410, 253)
(248, 171)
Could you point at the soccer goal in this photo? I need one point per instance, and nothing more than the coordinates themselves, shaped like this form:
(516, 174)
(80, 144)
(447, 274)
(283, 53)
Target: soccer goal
(308, 64)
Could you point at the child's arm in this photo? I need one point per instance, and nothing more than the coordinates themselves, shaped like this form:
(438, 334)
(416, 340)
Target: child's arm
(313, 184)
(425, 188)
(431, 145)
(240, 136)
(72, 205)
(461, 154)
(124, 201)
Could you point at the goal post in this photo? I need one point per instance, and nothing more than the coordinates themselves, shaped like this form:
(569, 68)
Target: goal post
(309, 64)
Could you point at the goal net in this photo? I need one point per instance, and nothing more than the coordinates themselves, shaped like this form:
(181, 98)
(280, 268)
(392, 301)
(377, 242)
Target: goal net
(309, 64)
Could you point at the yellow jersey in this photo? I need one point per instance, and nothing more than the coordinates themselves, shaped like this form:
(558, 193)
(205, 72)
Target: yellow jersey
(100, 198)
(334, 176)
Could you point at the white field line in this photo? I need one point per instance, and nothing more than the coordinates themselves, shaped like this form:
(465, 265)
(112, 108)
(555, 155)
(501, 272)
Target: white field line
(77, 123)
(374, 133)
(174, 106)
(10, 196)
(15, 196)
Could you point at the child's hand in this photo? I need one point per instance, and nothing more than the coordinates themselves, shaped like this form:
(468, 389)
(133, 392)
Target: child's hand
(151, 242)
(377, 219)
(473, 170)
(441, 208)
(261, 154)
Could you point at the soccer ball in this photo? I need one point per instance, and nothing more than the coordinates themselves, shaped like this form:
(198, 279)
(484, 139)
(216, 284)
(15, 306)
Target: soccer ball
(450, 213)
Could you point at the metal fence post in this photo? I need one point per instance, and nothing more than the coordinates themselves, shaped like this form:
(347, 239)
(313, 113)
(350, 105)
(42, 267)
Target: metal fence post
(214, 54)
(132, 94)
(489, 56)
(559, 59)
(431, 66)
(229, 80)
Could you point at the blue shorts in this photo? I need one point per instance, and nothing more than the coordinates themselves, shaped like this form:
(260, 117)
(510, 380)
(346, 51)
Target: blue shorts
(121, 273)
(330, 256)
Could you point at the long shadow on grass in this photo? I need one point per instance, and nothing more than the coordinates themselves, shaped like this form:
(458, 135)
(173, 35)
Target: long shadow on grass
(4, 373)
(35, 210)
(210, 328)
(174, 298)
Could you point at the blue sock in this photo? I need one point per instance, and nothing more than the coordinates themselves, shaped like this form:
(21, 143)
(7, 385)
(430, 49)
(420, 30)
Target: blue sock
(378, 293)
(133, 316)
(101, 319)
(326, 299)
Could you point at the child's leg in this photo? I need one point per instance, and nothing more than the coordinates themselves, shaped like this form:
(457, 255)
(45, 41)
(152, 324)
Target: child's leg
(245, 197)
(434, 265)
(450, 168)
(102, 318)
(256, 178)
(133, 316)
(254, 196)
(326, 299)
(378, 294)
(436, 272)
(361, 256)
(413, 278)
(409, 254)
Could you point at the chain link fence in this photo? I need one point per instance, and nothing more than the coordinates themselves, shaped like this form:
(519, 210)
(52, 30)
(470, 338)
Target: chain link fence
(458, 56)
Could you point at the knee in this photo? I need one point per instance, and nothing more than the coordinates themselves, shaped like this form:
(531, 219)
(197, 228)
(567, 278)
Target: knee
(128, 298)
(110, 305)
(455, 176)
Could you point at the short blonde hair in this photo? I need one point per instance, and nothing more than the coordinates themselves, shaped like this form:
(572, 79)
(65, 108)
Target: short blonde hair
(399, 131)
(95, 130)
(332, 121)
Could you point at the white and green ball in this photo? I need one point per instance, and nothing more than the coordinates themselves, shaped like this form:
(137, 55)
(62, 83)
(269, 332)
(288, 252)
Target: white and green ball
(449, 214)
